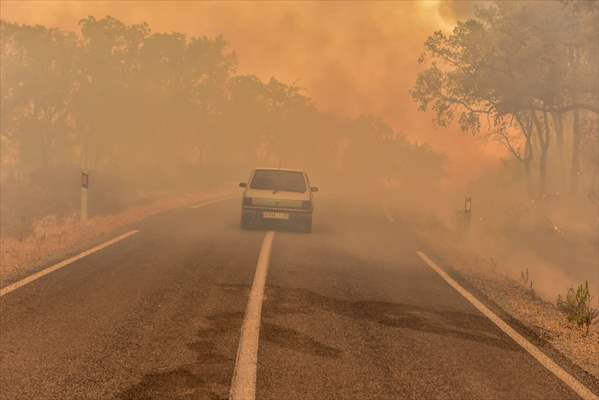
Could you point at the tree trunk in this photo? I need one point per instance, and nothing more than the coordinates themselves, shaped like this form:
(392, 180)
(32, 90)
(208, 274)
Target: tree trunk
(559, 134)
(546, 142)
(543, 135)
(527, 173)
(543, 173)
(575, 167)
(527, 157)
(527, 160)
(576, 136)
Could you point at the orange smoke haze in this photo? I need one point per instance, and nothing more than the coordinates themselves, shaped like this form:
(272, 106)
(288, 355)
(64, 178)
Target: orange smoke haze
(351, 57)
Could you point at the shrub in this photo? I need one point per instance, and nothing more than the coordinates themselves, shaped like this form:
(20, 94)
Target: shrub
(527, 283)
(577, 306)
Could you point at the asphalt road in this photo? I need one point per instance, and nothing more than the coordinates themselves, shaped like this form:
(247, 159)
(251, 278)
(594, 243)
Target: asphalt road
(350, 312)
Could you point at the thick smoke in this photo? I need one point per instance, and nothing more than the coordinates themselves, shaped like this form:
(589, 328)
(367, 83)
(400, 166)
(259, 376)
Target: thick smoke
(359, 58)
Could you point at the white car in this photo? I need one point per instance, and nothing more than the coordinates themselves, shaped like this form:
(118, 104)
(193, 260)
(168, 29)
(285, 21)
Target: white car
(277, 195)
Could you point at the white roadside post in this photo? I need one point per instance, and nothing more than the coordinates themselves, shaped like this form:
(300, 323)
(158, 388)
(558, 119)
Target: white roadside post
(467, 215)
(84, 187)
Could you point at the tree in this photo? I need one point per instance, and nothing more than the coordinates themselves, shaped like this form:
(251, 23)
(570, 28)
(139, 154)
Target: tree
(509, 67)
(37, 90)
(108, 58)
(128, 103)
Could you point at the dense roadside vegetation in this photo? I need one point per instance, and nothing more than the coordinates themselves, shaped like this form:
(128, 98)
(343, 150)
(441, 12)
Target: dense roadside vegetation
(527, 75)
(149, 112)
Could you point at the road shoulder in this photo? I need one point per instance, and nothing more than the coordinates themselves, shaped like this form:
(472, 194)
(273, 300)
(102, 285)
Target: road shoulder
(537, 320)
(20, 258)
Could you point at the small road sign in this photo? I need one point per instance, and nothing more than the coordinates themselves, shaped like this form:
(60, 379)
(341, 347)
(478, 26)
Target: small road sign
(468, 205)
(84, 180)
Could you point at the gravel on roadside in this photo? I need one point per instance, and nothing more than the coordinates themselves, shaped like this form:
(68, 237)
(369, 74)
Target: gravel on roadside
(518, 300)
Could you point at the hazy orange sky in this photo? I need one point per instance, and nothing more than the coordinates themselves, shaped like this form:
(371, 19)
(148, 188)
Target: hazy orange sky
(351, 57)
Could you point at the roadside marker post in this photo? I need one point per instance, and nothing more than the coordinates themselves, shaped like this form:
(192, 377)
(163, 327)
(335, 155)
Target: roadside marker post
(467, 214)
(84, 188)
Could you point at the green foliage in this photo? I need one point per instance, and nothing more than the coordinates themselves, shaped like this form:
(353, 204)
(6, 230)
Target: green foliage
(577, 306)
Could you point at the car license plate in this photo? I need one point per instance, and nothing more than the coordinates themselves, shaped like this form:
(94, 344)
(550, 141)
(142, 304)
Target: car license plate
(275, 215)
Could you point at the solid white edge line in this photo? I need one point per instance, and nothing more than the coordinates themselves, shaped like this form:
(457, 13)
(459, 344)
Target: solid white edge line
(243, 384)
(545, 361)
(62, 264)
(208, 202)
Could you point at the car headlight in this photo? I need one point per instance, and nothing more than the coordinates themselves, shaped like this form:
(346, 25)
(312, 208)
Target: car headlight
(247, 201)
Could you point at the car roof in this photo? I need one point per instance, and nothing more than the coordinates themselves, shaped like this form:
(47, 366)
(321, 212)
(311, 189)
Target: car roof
(280, 169)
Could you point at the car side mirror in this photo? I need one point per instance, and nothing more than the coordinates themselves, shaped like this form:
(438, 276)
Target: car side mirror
(243, 184)
(314, 189)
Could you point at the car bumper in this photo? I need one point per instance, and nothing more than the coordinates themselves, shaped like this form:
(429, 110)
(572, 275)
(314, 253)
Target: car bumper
(257, 214)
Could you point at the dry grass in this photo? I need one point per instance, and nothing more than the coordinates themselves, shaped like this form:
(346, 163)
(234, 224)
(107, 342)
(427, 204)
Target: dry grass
(55, 238)
(516, 298)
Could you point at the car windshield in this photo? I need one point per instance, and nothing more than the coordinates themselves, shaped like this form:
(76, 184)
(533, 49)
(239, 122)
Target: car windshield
(288, 181)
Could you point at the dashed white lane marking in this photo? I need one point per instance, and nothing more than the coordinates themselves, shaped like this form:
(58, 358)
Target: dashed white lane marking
(545, 361)
(62, 264)
(208, 202)
(243, 384)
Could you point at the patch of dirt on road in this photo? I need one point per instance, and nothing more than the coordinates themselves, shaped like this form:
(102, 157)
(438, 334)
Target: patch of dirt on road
(516, 298)
(54, 239)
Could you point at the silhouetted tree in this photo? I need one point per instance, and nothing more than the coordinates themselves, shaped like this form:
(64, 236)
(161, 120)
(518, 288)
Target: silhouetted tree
(516, 68)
